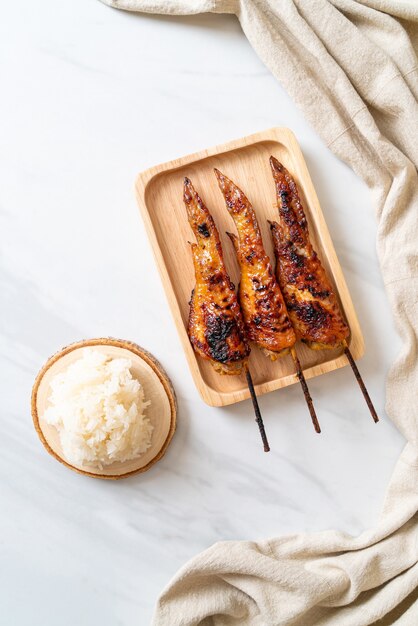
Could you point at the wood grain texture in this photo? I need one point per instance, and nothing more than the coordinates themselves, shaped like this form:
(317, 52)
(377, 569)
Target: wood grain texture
(246, 162)
(162, 411)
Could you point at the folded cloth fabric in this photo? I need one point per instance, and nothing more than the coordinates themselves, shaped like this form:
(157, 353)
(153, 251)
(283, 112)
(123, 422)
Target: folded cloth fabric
(358, 67)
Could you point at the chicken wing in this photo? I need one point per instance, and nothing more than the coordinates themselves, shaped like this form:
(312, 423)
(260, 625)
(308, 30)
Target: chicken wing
(265, 317)
(311, 302)
(215, 328)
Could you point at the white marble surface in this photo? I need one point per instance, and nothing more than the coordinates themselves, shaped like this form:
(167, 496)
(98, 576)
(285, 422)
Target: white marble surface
(90, 96)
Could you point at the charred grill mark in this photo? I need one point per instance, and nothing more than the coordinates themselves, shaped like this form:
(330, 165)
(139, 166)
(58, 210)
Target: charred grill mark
(302, 221)
(203, 230)
(311, 313)
(317, 294)
(257, 286)
(296, 259)
(235, 204)
(264, 303)
(287, 215)
(216, 279)
(269, 321)
(218, 329)
(295, 269)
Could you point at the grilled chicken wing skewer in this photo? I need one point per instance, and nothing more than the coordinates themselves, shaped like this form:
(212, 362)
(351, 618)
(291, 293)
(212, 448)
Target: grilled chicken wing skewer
(311, 302)
(215, 328)
(265, 316)
(264, 311)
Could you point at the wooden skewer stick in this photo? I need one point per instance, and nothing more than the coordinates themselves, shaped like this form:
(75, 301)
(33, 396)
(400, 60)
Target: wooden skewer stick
(258, 417)
(360, 382)
(307, 395)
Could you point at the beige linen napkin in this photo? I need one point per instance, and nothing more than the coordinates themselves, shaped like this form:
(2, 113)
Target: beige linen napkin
(352, 69)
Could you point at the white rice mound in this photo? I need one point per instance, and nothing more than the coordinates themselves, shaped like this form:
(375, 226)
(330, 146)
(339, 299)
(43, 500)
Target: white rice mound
(98, 410)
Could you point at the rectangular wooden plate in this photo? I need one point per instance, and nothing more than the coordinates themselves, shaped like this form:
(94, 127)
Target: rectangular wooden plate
(246, 162)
